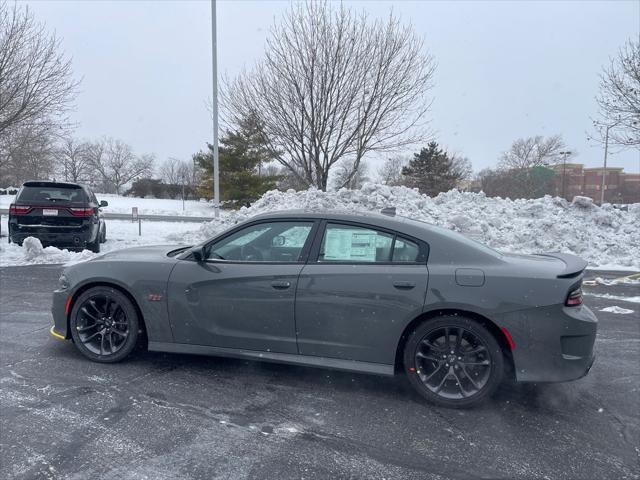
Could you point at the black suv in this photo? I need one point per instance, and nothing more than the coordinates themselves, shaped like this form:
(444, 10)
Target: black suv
(59, 214)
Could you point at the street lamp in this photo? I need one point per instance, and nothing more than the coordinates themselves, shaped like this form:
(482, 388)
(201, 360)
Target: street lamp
(214, 108)
(564, 169)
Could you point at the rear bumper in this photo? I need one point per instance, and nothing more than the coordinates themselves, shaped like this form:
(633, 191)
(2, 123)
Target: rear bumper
(552, 344)
(60, 236)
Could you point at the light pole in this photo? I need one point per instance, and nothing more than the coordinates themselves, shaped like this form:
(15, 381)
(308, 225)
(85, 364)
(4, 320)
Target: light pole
(214, 108)
(606, 151)
(564, 169)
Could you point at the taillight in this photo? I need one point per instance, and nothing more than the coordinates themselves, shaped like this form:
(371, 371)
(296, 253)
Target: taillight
(81, 212)
(574, 298)
(19, 209)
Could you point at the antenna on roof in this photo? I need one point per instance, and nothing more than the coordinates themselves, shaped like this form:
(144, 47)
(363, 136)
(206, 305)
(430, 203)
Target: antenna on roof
(389, 211)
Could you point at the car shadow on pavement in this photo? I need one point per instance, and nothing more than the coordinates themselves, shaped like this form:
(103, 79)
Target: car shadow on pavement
(323, 382)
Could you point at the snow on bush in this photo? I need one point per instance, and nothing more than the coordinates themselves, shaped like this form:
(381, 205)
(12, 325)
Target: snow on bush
(601, 235)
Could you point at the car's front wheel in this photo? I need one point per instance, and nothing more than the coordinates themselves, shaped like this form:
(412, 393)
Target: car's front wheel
(453, 361)
(104, 324)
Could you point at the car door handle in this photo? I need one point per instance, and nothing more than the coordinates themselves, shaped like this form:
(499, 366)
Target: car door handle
(281, 285)
(404, 285)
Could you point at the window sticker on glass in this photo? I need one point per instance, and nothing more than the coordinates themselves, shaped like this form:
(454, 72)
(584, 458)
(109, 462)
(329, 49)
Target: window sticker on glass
(356, 244)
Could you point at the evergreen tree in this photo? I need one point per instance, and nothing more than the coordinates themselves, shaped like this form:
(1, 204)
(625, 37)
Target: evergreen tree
(433, 171)
(242, 155)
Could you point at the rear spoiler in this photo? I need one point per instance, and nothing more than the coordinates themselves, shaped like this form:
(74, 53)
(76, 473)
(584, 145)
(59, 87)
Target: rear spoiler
(574, 265)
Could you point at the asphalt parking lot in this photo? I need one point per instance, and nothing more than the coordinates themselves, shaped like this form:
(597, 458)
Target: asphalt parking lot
(160, 416)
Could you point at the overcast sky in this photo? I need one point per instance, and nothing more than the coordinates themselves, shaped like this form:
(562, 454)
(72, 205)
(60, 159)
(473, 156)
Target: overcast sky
(505, 69)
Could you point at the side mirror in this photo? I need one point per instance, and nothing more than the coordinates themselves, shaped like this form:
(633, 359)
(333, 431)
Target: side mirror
(104, 203)
(198, 253)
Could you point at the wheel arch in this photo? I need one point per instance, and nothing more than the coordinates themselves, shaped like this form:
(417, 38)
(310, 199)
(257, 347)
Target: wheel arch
(115, 286)
(493, 328)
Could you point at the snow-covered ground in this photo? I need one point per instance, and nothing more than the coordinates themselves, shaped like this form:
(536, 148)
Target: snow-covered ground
(147, 206)
(606, 237)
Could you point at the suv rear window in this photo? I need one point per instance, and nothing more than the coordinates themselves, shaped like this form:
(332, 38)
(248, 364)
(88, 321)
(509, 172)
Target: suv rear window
(52, 193)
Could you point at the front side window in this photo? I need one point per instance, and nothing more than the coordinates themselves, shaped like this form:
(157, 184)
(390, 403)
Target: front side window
(263, 242)
(345, 243)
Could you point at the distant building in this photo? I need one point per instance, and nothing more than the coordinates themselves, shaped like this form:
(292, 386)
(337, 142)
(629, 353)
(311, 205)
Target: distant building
(573, 179)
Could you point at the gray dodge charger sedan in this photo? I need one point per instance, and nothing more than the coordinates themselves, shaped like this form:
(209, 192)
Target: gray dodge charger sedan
(373, 293)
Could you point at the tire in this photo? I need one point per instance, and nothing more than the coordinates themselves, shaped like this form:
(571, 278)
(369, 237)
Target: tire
(104, 325)
(103, 237)
(95, 245)
(461, 379)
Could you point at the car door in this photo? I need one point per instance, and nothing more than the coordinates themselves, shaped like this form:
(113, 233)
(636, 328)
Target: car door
(242, 295)
(355, 298)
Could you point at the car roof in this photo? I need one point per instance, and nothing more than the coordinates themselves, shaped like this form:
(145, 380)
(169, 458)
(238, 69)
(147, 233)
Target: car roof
(46, 183)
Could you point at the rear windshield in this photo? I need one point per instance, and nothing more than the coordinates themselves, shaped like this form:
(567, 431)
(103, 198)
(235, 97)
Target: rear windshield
(466, 240)
(52, 193)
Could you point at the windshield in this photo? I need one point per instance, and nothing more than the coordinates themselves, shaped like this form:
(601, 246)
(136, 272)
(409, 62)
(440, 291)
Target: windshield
(52, 194)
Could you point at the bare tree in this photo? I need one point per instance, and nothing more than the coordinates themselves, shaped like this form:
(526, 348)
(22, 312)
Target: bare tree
(348, 176)
(116, 163)
(460, 168)
(619, 98)
(523, 162)
(27, 156)
(36, 87)
(390, 173)
(334, 85)
(182, 177)
(72, 159)
(172, 171)
(526, 153)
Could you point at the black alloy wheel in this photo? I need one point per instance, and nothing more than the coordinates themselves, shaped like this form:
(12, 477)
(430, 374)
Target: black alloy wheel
(104, 324)
(453, 361)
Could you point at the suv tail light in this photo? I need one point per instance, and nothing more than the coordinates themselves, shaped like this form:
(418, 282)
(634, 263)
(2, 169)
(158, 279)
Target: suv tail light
(19, 209)
(81, 212)
(574, 298)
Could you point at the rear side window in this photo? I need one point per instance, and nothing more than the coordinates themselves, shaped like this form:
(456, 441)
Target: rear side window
(405, 251)
(46, 194)
(345, 243)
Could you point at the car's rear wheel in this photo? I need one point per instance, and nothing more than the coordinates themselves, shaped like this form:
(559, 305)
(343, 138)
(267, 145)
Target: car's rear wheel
(103, 237)
(453, 361)
(104, 324)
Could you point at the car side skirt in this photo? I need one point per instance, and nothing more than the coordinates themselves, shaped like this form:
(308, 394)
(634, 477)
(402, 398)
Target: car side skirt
(293, 359)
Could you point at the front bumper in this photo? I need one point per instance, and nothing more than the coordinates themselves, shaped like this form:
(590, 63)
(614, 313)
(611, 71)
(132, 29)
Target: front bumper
(59, 313)
(553, 343)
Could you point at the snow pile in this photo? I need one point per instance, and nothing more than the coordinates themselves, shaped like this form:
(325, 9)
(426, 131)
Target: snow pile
(619, 298)
(628, 280)
(616, 309)
(33, 252)
(120, 234)
(604, 236)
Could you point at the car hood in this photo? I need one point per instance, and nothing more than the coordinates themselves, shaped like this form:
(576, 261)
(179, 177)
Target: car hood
(560, 265)
(152, 253)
